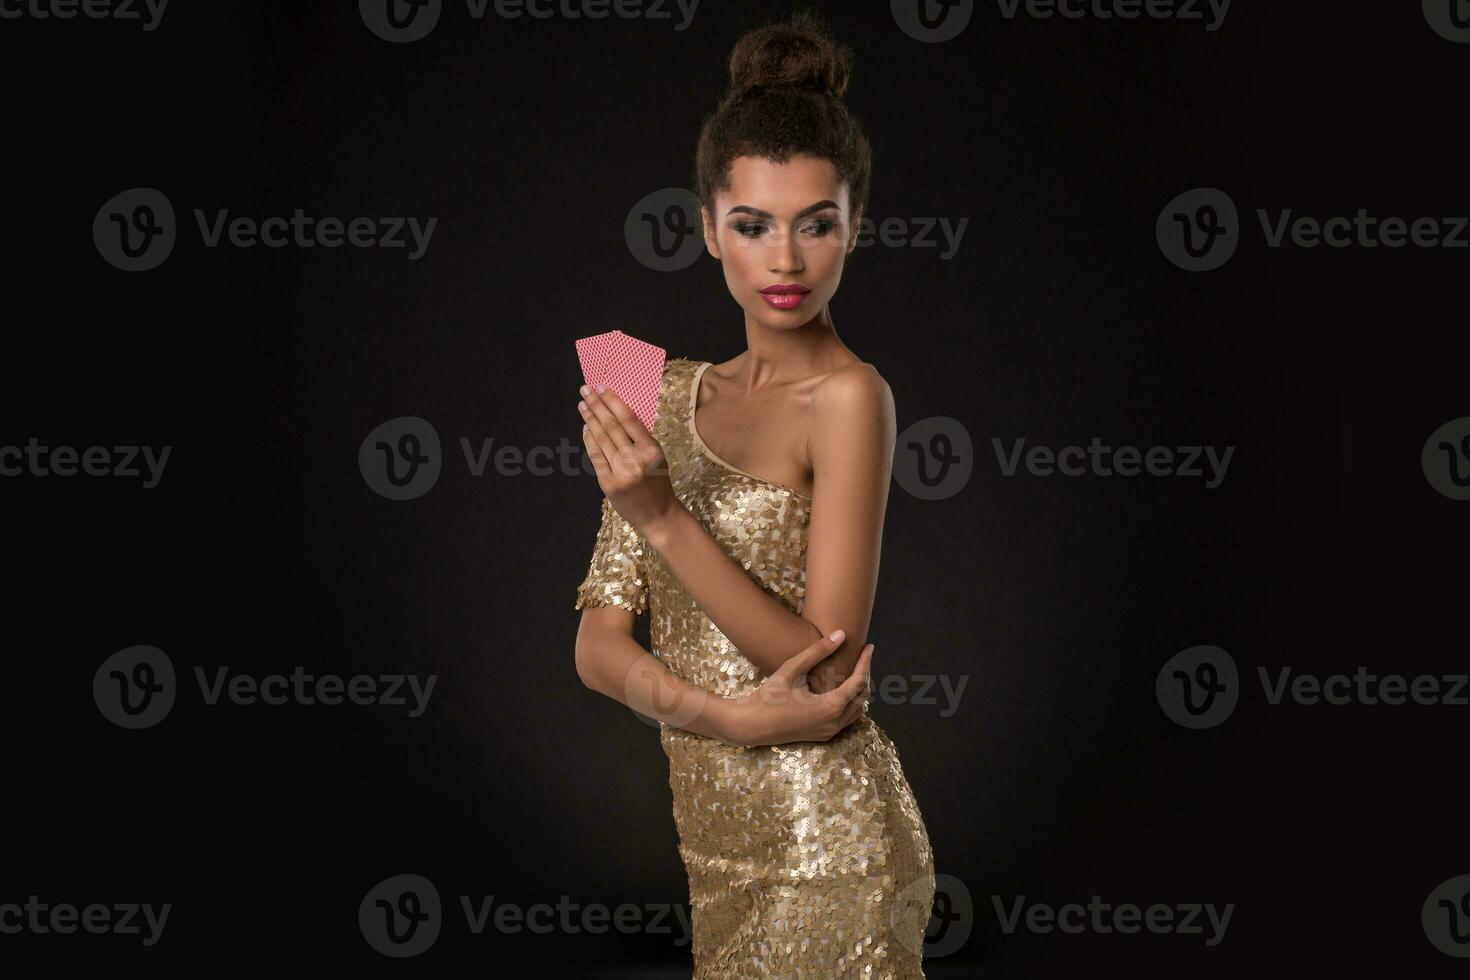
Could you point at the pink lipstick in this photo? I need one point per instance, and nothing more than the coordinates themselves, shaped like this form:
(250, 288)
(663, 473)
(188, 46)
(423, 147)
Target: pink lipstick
(784, 295)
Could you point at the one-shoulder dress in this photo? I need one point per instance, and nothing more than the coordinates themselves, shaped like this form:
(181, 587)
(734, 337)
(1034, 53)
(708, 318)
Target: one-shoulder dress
(805, 860)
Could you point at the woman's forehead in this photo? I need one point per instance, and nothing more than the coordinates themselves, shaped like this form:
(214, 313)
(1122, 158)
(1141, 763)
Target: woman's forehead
(783, 187)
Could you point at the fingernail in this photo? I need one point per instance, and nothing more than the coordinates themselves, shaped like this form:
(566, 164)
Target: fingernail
(601, 389)
(582, 390)
(836, 635)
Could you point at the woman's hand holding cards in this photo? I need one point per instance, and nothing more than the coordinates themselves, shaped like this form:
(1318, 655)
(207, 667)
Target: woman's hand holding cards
(629, 462)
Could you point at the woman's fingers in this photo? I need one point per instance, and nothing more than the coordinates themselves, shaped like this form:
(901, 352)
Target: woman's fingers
(621, 460)
(851, 713)
(855, 688)
(632, 424)
(803, 662)
(594, 450)
(599, 407)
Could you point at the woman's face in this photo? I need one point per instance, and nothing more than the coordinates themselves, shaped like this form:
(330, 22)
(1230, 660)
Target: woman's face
(782, 224)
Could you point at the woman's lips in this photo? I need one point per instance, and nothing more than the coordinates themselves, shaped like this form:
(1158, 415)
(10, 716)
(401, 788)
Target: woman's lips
(785, 296)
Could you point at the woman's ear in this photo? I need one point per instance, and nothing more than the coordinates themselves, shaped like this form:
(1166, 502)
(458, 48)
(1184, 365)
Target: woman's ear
(709, 232)
(855, 230)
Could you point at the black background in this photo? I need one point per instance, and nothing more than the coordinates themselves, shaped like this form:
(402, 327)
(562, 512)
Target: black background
(1059, 777)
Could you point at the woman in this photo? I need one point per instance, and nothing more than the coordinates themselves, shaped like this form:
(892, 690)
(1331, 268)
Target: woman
(749, 523)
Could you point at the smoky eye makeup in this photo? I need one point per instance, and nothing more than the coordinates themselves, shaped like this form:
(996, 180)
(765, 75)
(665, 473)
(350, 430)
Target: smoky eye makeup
(812, 226)
(822, 224)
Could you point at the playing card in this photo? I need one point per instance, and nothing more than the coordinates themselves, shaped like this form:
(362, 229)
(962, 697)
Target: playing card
(594, 353)
(638, 367)
(629, 366)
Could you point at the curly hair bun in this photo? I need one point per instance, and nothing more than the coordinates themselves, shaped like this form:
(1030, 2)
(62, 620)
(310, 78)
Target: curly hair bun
(799, 53)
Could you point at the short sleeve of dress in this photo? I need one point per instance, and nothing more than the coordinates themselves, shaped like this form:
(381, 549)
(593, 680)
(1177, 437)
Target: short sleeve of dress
(617, 574)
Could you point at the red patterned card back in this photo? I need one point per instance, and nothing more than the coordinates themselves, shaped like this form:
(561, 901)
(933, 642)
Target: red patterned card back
(629, 366)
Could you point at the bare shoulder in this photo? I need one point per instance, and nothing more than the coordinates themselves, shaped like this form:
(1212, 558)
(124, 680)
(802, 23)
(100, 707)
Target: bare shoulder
(854, 394)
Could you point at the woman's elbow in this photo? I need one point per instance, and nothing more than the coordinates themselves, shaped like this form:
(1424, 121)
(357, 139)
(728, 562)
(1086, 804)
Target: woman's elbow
(584, 657)
(840, 664)
(600, 624)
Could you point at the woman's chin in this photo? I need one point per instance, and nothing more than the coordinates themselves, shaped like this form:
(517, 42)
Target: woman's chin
(773, 319)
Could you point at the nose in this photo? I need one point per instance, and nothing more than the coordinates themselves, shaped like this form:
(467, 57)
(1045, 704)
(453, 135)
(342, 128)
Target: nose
(785, 256)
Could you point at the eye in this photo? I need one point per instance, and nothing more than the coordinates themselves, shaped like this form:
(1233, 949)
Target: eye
(820, 227)
(749, 229)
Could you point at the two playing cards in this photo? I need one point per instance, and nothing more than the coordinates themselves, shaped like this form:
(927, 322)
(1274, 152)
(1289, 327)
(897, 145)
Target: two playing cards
(628, 366)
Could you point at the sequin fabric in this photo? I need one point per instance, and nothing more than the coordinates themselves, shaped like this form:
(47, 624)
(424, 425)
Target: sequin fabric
(807, 860)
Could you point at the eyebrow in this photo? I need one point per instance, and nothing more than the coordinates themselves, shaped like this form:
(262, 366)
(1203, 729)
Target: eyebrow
(757, 212)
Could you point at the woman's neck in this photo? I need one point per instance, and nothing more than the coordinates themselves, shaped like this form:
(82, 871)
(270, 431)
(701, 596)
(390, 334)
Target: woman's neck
(775, 357)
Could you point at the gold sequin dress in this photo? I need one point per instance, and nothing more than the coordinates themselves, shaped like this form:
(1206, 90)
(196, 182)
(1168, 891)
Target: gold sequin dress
(806, 860)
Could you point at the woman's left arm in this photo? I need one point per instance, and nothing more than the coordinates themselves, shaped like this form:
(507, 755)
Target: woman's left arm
(851, 453)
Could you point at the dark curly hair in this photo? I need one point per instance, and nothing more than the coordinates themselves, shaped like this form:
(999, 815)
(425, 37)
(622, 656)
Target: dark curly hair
(784, 99)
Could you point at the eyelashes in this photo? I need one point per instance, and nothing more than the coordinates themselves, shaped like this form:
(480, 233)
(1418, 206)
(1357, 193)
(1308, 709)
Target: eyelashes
(754, 229)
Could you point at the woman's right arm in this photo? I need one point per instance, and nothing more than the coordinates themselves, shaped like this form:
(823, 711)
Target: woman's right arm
(610, 661)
